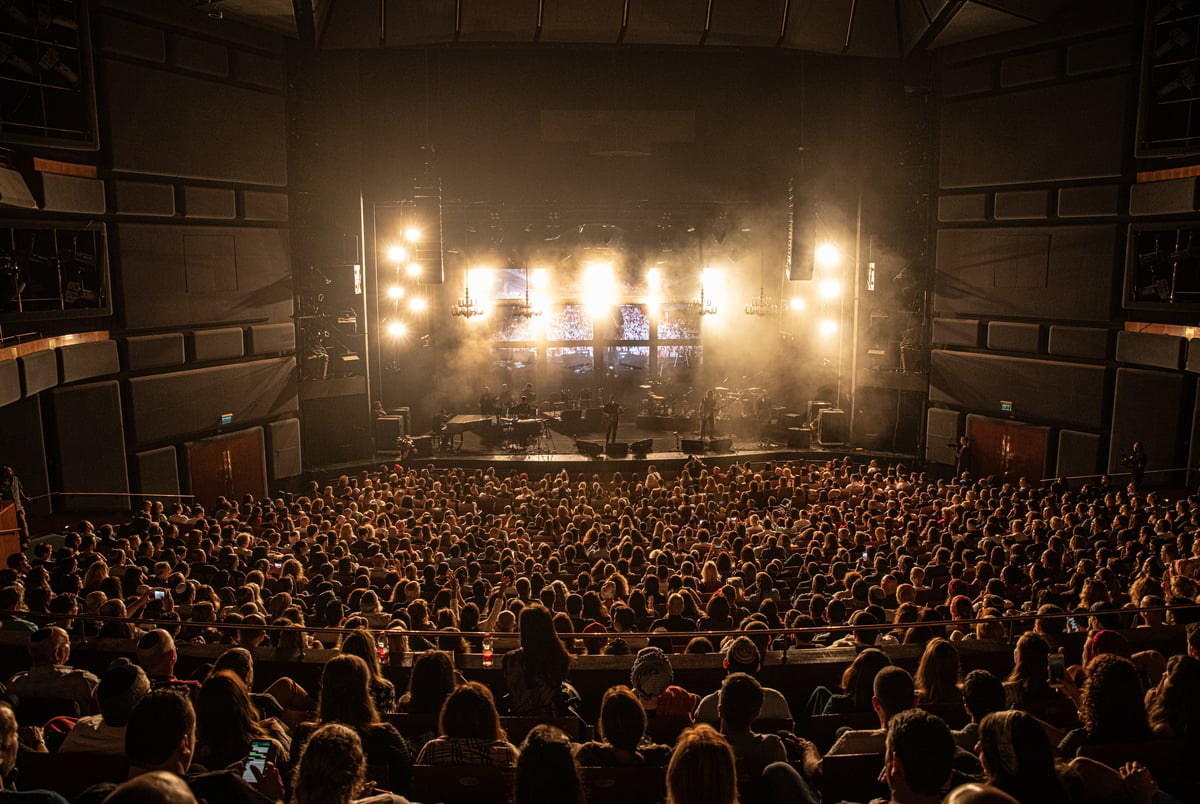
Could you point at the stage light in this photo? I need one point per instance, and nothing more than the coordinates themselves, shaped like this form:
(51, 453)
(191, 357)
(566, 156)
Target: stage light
(413, 269)
(417, 304)
(412, 234)
(395, 292)
(827, 328)
(829, 289)
(653, 278)
(540, 277)
(828, 255)
(796, 303)
(599, 287)
(397, 253)
(397, 329)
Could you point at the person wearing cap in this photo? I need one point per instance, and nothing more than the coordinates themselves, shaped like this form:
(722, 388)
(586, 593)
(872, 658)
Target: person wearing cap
(123, 685)
(650, 679)
(742, 656)
(49, 675)
(156, 652)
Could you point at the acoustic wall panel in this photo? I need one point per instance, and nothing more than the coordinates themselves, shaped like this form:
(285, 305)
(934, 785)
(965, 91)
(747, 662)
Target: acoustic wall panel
(667, 22)
(157, 472)
(1028, 68)
(163, 123)
(956, 331)
(170, 406)
(89, 447)
(1193, 355)
(131, 39)
(1022, 205)
(969, 79)
(27, 455)
(1086, 342)
(1054, 272)
(39, 371)
(1092, 201)
(72, 194)
(262, 206)
(154, 351)
(10, 382)
(1007, 336)
(597, 21)
(1109, 53)
(1163, 197)
(1146, 407)
(82, 361)
(942, 429)
(209, 202)
(1149, 349)
(265, 339)
(179, 276)
(1041, 391)
(144, 198)
(1078, 454)
(201, 56)
(284, 455)
(1088, 114)
(261, 71)
(962, 207)
(225, 343)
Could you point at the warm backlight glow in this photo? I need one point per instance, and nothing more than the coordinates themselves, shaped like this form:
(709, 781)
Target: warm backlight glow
(796, 303)
(829, 289)
(397, 329)
(396, 292)
(412, 234)
(827, 327)
(600, 287)
(828, 255)
(397, 253)
(413, 269)
(417, 304)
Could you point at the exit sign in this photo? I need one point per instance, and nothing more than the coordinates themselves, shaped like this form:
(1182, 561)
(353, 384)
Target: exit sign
(1005, 406)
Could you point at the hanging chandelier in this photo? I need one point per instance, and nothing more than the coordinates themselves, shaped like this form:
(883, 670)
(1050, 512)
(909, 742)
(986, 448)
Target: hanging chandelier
(761, 306)
(703, 306)
(466, 307)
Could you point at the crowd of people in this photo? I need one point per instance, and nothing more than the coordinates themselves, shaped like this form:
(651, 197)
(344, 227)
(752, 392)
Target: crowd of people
(738, 561)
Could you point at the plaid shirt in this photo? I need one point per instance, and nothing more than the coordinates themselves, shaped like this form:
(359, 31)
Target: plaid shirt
(468, 751)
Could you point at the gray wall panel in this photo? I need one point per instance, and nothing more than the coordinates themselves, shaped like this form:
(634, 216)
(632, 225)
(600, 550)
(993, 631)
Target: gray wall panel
(154, 351)
(1042, 391)
(158, 116)
(1100, 200)
(179, 276)
(962, 207)
(942, 429)
(283, 449)
(1087, 342)
(39, 371)
(1149, 349)
(1028, 68)
(1147, 407)
(1022, 205)
(157, 473)
(218, 344)
(72, 194)
(82, 361)
(1053, 272)
(144, 198)
(956, 331)
(10, 382)
(976, 150)
(27, 456)
(90, 448)
(1078, 454)
(209, 202)
(1007, 336)
(169, 406)
(264, 339)
(1163, 197)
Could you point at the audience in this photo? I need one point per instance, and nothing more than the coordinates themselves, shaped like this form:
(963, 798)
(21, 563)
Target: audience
(918, 756)
(470, 732)
(123, 686)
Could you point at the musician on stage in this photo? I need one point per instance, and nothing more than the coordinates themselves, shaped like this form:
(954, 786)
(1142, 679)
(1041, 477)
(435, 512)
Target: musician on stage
(505, 400)
(439, 428)
(708, 414)
(612, 419)
(487, 402)
(523, 409)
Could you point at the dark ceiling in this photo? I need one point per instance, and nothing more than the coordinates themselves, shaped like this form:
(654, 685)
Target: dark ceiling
(872, 28)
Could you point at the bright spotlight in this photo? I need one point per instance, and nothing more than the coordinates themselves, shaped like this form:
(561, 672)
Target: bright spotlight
(412, 234)
(397, 253)
(829, 289)
(417, 304)
(797, 303)
(600, 287)
(397, 329)
(828, 255)
(395, 292)
(827, 327)
(413, 269)
(539, 277)
(653, 278)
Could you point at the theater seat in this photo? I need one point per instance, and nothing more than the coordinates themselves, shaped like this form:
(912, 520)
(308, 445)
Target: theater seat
(822, 729)
(69, 774)
(461, 784)
(852, 777)
(624, 785)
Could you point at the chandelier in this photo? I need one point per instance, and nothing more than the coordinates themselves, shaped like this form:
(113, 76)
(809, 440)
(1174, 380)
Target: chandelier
(466, 307)
(703, 306)
(761, 306)
(525, 309)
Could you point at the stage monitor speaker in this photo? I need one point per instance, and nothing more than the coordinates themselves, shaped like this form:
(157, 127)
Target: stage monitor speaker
(720, 445)
(641, 449)
(387, 430)
(799, 437)
(814, 409)
(424, 445)
(617, 449)
(692, 446)
(589, 448)
(833, 426)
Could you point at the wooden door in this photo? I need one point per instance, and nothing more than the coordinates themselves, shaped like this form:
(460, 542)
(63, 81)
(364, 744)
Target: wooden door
(1008, 449)
(228, 466)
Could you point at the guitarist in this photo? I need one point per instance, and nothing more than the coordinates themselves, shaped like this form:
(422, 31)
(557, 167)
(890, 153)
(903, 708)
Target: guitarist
(611, 418)
(708, 414)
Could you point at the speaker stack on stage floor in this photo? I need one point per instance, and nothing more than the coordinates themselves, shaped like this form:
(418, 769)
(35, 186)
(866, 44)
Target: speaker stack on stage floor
(833, 426)
(616, 449)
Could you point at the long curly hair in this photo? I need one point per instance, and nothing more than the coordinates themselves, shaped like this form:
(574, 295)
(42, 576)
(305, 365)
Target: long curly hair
(1112, 706)
(1175, 709)
(332, 767)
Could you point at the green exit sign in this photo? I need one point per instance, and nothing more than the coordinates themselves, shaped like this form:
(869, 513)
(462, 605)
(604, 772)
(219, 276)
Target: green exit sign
(1005, 406)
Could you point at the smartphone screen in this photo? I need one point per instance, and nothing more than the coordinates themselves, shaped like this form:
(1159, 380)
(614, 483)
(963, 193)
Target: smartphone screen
(158, 594)
(1058, 668)
(257, 758)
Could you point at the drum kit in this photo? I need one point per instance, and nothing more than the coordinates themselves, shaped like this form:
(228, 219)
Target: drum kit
(662, 400)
